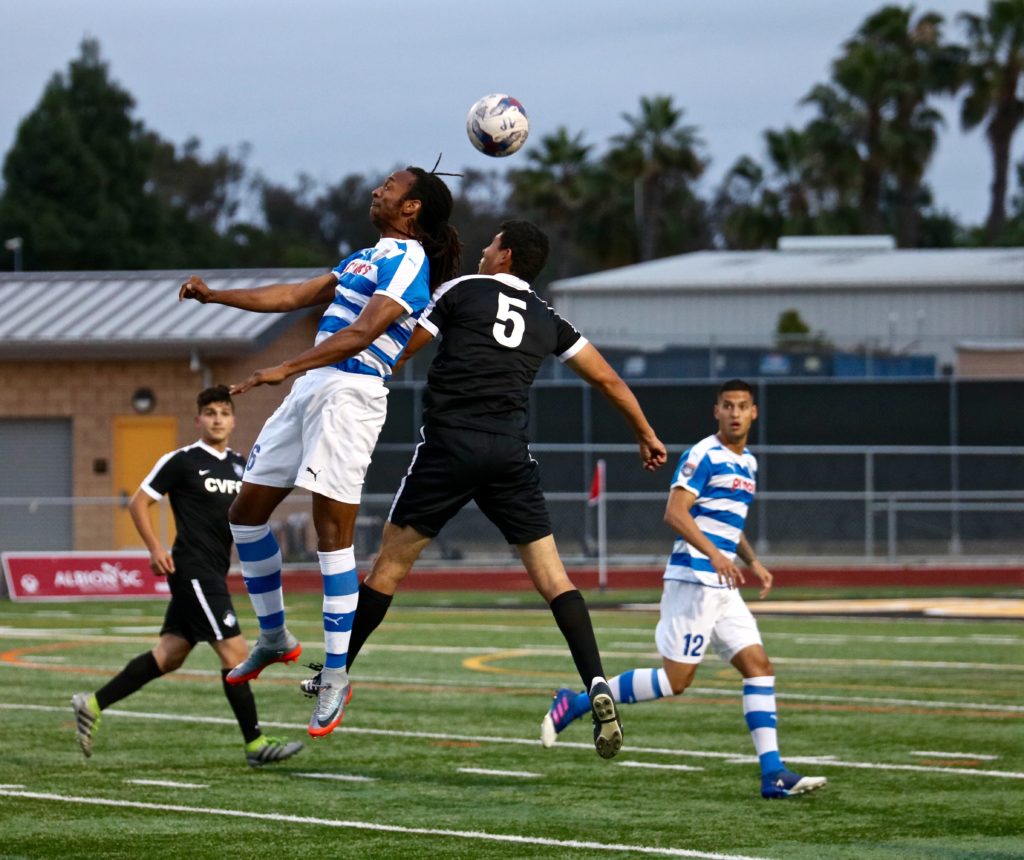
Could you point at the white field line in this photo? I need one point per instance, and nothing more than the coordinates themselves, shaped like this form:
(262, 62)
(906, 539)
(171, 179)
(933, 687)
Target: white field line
(479, 836)
(530, 650)
(167, 783)
(978, 756)
(342, 777)
(487, 772)
(727, 757)
(652, 766)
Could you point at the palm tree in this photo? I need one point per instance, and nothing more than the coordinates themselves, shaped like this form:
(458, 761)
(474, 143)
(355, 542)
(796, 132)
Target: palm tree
(996, 62)
(555, 188)
(888, 71)
(660, 156)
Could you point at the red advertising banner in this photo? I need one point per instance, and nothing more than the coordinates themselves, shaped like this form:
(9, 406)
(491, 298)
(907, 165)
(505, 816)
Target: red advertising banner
(80, 576)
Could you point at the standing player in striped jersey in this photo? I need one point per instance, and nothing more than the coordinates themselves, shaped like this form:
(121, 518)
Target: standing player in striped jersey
(323, 434)
(496, 332)
(201, 480)
(701, 607)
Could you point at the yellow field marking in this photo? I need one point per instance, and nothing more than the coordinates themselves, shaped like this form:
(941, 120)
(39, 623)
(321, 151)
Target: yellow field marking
(972, 607)
(482, 663)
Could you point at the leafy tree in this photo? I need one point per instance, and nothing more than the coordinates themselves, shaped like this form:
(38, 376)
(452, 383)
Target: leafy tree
(996, 64)
(75, 179)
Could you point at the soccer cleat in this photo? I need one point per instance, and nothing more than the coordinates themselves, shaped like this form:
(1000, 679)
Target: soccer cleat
(330, 705)
(273, 750)
(85, 721)
(607, 726)
(785, 783)
(557, 718)
(311, 686)
(262, 656)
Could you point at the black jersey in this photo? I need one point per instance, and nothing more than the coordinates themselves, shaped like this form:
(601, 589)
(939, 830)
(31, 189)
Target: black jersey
(495, 333)
(201, 483)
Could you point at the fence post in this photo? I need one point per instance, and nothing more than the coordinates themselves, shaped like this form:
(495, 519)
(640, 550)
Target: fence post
(869, 513)
(891, 527)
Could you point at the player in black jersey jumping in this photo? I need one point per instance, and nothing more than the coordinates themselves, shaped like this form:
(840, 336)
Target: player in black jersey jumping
(201, 480)
(496, 333)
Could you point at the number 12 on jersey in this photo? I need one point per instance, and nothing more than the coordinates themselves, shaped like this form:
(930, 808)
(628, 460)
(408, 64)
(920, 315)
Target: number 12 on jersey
(508, 313)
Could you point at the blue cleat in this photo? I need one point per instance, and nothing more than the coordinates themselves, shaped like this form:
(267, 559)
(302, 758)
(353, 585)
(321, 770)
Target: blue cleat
(785, 783)
(558, 717)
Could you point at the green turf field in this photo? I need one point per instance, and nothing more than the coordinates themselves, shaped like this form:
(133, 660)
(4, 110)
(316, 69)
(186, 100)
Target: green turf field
(918, 724)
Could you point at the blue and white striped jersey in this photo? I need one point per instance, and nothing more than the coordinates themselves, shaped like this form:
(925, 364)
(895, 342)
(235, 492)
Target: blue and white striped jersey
(724, 484)
(397, 269)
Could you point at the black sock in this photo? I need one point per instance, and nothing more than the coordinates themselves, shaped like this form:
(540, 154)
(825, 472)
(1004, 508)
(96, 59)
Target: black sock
(138, 672)
(573, 619)
(373, 606)
(243, 703)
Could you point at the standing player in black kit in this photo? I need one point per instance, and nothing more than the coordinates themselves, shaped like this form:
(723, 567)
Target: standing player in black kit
(201, 480)
(496, 333)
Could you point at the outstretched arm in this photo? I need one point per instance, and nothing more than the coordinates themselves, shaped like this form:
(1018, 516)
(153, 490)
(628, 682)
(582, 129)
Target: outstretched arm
(273, 298)
(378, 314)
(420, 338)
(590, 365)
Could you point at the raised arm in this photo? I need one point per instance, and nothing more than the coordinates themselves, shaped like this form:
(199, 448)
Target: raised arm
(419, 339)
(590, 365)
(273, 298)
(379, 313)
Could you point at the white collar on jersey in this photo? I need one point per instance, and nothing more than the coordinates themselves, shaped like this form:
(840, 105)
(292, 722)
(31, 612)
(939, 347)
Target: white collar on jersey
(220, 455)
(512, 281)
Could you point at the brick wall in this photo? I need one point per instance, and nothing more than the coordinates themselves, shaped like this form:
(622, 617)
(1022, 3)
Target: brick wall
(93, 392)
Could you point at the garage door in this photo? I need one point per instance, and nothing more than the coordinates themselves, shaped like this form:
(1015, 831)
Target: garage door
(35, 470)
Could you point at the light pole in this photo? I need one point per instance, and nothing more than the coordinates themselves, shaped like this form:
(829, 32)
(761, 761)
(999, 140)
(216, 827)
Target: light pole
(14, 244)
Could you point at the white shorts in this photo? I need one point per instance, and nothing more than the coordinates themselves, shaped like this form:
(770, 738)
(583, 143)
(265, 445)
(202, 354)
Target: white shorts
(322, 436)
(696, 617)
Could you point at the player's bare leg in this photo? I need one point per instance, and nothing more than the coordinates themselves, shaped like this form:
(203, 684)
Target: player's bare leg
(547, 572)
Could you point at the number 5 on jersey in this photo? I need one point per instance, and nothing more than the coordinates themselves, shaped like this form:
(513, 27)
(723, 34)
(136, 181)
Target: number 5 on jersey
(507, 313)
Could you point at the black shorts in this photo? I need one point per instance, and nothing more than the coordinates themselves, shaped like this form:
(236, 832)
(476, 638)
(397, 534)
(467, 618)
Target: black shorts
(200, 610)
(450, 467)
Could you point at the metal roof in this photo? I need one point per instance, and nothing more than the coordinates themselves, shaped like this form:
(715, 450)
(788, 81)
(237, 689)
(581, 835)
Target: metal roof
(133, 314)
(841, 267)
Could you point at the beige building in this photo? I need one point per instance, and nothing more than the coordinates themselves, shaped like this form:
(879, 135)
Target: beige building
(101, 373)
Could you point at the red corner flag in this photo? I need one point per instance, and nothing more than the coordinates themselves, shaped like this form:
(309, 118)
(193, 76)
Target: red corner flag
(597, 483)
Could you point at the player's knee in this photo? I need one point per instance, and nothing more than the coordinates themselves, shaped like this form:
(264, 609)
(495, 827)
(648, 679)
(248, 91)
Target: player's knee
(679, 685)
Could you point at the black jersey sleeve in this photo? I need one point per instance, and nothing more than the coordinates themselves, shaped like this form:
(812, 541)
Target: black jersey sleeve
(568, 341)
(164, 476)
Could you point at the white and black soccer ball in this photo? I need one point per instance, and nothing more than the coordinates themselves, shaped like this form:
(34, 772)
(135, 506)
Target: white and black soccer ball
(497, 125)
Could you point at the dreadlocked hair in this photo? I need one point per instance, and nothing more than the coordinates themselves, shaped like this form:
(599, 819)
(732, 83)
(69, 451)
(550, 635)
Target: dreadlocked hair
(440, 239)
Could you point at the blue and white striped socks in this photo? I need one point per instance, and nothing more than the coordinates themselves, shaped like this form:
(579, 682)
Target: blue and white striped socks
(636, 685)
(759, 712)
(260, 557)
(341, 596)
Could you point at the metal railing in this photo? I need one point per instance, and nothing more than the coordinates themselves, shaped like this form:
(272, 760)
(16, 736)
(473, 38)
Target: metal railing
(850, 503)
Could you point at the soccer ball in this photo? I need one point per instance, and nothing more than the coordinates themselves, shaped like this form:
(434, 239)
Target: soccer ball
(497, 125)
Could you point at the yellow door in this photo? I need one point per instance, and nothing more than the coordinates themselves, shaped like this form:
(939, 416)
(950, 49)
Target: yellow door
(139, 441)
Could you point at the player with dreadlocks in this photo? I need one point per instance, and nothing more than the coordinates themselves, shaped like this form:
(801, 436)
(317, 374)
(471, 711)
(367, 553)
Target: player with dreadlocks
(322, 435)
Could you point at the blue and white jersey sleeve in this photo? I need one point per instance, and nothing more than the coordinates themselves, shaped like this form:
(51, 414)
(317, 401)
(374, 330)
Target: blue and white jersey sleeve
(396, 269)
(724, 484)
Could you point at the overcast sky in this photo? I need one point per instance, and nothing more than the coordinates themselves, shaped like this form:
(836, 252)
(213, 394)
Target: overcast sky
(330, 87)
